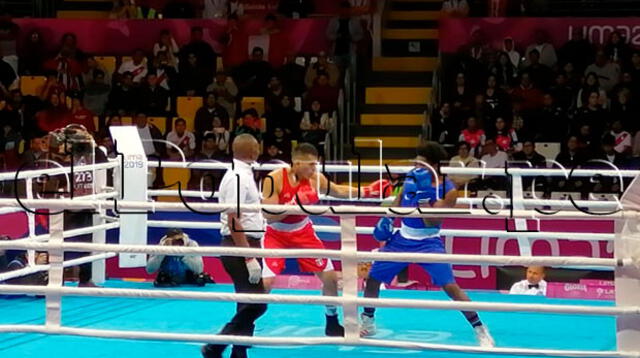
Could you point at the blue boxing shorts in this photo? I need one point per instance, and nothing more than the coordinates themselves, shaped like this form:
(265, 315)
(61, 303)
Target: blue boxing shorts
(384, 271)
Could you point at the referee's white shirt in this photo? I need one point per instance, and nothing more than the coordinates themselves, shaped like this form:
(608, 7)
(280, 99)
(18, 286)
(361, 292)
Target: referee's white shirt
(522, 288)
(246, 192)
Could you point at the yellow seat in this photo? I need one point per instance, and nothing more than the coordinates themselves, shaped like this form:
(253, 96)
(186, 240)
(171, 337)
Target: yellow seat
(126, 121)
(30, 85)
(171, 178)
(187, 108)
(160, 123)
(96, 122)
(256, 103)
(108, 62)
(219, 64)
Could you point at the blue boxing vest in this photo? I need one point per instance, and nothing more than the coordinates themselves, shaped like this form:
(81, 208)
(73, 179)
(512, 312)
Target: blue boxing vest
(412, 196)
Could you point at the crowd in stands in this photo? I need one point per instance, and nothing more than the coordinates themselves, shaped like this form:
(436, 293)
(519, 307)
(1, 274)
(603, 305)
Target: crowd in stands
(497, 103)
(300, 98)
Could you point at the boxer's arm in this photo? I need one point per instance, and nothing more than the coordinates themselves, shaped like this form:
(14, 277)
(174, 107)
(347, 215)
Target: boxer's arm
(449, 200)
(271, 186)
(337, 190)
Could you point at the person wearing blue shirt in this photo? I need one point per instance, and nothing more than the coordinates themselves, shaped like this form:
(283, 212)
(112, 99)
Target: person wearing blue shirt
(421, 188)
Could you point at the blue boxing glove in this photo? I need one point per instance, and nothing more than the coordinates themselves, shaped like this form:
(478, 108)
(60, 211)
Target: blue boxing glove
(417, 188)
(383, 231)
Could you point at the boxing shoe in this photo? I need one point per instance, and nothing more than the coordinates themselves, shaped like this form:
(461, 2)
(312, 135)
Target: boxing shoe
(333, 327)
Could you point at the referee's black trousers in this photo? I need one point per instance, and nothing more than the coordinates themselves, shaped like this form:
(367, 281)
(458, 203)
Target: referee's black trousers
(242, 323)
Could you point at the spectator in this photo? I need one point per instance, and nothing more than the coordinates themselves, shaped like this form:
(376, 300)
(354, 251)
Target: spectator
(166, 71)
(193, 77)
(461, 96)
(315, 118)
(455, 8)
(626, 82)
(578, 51)
(344, 32)
(545, 49)
(225, 91)
(153, 98)
(9, 32)
(270, 25)
(166, 44)
(591, 84)
(123, 98)
(54, 116)
(179, 9)
(92, 68)
(552, 124)
(509, 47)
(482, 111)
(493, 158)
(592, 114)
(505, 137)
(177, 270)
(137, 66)
(284, 116)
(124, 9)
(473, 135)
(182, 138)
(37, 145)
(67, 63)
(496, 99)
(209, 150)
(540, 75)
(205, 115)
(609, 155)
(20, 261)
(293, 76)
(444, 128)
(249, 123)
(203, 52)
(221, 138)
(622, 138)
(529, 155)
(10, 138)
(570, 157)
(13, 114)
(324, 93)
(32, 55)
(51, 85)
(295, 9)
(81, 115)
(588, 141)
(465, 160)
(533, 285)
(634, 68)
(504, 71)
(562, 93)
(322, 66)
(222, 9)
(623, 107)
(7, 77)
(280, 139)
(150, 135)
(608, 73)
(617, 49)
(272, 153)
(274, 95)
(252, 76)
(527, 94)
(574, 78)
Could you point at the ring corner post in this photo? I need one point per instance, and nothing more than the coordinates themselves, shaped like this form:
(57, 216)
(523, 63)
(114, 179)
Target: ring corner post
(56, 259)
(349, 248)
(627, 283)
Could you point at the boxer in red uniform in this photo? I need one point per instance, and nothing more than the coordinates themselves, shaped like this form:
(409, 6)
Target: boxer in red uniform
(297, 185)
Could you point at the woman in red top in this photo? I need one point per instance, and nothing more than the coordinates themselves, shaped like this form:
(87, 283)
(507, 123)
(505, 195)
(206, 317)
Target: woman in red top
(55, 116)
(473, 135)
(506, 137)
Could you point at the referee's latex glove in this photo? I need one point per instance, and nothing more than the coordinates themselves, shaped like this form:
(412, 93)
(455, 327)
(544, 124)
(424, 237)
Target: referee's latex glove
(255, 270)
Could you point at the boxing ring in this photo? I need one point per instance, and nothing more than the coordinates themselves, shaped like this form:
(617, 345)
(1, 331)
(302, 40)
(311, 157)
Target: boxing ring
(147, 322)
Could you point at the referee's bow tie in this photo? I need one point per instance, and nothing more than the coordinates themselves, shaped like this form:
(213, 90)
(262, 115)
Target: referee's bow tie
(534, 286)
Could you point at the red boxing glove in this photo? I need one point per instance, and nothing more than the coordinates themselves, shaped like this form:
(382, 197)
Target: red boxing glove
(307, 195)
(377, 189)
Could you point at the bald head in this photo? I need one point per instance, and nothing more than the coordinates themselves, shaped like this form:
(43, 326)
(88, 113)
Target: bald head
(246, 148)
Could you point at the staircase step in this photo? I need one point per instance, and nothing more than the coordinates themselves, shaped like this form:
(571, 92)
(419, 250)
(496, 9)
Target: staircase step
(405, 64)
(386, 131)
(411, 24)
(416, 6)
(395, 119)
(397, 95)
(387, 153)
(405, 109)
(399, 79)
(410, 34)
(387, 142)
(82, 14)
(414, 15)
(409, 48)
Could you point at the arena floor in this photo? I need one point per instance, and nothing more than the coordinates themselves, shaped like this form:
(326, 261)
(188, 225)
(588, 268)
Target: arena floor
(523, 330)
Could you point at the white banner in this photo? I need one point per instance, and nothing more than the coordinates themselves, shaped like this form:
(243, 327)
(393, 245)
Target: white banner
(131, 181)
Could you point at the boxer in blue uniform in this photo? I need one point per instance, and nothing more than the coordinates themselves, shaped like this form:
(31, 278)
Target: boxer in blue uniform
(421, 235)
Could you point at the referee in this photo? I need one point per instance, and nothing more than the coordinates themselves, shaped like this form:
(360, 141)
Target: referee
(238, 186)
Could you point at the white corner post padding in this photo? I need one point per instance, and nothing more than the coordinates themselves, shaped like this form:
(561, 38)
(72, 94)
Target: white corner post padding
(56, 271)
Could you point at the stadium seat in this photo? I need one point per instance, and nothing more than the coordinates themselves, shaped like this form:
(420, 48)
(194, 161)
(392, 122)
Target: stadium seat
(96, 122)
(127, 121)
(30, 85)
(108, 62)
(256, 103)
(187, 108)
(548, 150)
(219, 64)
(171, 178)
(160, 123)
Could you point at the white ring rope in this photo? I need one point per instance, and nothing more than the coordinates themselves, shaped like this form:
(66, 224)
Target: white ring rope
(38, 268)
(496, 260)
(57, 171)
(462, 233)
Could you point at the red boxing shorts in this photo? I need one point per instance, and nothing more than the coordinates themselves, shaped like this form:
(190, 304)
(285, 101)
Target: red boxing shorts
(304, 238)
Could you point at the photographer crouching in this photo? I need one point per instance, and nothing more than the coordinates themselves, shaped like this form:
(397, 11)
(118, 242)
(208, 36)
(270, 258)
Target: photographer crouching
(177, 270)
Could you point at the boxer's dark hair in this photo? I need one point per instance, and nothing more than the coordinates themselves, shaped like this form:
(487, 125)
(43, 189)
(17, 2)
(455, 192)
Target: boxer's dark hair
(433, 152)
(304, 149)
